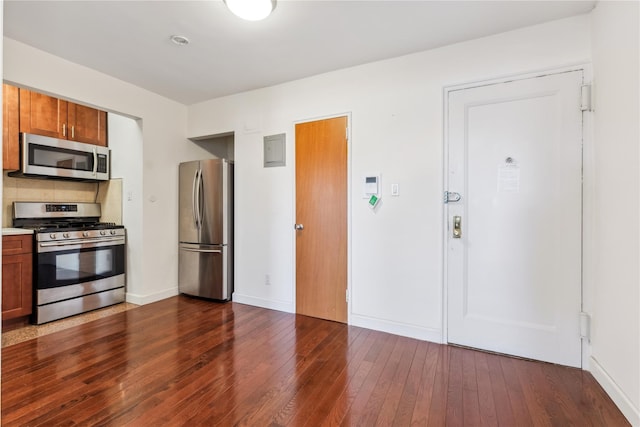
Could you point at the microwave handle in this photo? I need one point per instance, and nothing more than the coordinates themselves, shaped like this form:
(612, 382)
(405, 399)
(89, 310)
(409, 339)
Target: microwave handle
(95, 162)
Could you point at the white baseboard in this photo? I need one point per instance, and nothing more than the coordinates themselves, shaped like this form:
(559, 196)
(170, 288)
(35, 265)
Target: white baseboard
(263, 302)
(402, 329)
(616, 394)
(148, 299)
(405, 330)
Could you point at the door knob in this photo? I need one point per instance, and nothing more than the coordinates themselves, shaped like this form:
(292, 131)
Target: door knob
(457, 227)
(299, 227)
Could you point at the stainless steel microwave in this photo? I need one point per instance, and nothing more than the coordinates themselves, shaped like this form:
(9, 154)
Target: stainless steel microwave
(43, 156)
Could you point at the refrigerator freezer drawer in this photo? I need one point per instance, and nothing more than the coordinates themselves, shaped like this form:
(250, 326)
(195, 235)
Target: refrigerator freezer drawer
(204, 271)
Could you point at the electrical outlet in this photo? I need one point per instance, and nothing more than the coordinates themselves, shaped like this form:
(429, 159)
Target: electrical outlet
(267, 280)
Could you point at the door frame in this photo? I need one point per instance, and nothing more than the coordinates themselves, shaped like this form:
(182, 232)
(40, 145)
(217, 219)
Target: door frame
(349, 206)
(587, 190)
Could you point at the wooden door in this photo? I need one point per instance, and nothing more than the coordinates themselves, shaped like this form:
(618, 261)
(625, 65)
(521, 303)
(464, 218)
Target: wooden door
(87, 124)
(10, 128)
(514, 270)
(321, 211)
(42, 114)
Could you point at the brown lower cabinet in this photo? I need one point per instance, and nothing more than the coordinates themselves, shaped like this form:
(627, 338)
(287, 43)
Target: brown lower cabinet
(17, 267)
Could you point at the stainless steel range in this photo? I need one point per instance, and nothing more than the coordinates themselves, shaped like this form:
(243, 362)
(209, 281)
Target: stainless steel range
(79, 262)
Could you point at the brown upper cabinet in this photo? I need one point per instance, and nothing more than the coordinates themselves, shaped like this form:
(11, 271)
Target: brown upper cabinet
(42, 114)
(10, 128)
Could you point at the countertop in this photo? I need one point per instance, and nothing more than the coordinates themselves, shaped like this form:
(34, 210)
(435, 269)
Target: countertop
(15, 231)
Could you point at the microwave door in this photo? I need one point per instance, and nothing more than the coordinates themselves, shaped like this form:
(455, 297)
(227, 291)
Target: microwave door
(51, 157)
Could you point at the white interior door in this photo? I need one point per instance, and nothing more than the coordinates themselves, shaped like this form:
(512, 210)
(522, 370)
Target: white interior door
(514, 272)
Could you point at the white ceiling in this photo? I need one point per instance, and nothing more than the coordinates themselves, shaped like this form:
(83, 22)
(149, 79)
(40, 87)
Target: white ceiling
(129, 40)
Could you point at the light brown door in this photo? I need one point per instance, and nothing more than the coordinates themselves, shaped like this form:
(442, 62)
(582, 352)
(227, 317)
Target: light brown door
(321, 219)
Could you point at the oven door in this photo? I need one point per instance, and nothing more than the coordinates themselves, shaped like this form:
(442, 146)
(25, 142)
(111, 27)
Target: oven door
(75, 270)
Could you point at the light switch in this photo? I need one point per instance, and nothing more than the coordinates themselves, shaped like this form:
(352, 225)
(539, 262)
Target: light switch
(395, 190)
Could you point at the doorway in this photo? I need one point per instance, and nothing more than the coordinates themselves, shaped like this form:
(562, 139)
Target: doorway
(321, 218)
(514, 219)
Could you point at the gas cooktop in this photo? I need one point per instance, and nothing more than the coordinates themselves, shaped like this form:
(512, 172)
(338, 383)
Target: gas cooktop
(61, 217)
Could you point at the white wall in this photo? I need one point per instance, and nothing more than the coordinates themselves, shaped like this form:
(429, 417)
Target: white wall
(615, 230)
(164, 145)
(396, 130)
(126, 142)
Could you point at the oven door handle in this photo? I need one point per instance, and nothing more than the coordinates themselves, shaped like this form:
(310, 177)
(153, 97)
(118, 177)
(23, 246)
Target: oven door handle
(81, 242)
(206, 251)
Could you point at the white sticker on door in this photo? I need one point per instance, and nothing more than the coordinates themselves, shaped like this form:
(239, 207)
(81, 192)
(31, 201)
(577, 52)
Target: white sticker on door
(509, 178)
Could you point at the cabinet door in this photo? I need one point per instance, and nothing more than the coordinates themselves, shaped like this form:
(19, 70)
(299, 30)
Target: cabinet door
(16, 285)
(42, 114)
(10, 128)
(87, 124)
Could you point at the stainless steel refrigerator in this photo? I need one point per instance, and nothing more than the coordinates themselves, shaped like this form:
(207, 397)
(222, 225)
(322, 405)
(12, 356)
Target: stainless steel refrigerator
(205, 264)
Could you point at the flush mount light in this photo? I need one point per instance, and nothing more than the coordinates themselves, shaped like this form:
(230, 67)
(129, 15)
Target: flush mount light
(180, 40)
(251, 10)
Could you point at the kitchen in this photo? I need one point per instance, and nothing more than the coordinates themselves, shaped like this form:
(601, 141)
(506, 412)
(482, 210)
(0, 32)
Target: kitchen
(160, 141)
(73, 198)
(57, 190)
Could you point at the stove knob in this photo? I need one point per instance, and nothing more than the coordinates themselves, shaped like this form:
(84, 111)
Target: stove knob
(85, 234)
(52, 235)
(113, 232)
(102, 232)
(65, 235)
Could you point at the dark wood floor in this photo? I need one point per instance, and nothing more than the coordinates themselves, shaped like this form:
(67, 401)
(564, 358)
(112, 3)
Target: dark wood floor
(184, 361)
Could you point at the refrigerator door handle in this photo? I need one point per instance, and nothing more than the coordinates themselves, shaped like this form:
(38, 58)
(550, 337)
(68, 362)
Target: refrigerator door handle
(207, 251)
(195, 199)
(200, 198)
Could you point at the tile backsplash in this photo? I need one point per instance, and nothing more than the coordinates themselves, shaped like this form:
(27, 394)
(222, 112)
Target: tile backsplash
(107, 193)
(110, 199)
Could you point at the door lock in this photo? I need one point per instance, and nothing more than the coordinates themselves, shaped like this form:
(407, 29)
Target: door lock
(457, 227)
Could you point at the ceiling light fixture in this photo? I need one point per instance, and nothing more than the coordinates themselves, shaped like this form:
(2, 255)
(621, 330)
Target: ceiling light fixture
(180, 40)
(251, 10)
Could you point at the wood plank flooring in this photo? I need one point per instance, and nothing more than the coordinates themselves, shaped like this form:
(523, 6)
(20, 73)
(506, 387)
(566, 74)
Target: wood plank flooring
(184, 361)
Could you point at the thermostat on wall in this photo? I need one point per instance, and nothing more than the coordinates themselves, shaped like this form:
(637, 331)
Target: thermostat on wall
(371, 186)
